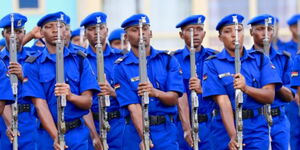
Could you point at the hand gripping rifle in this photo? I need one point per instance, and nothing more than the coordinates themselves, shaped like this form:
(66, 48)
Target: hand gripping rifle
(143, 79)
(60, 78)
(238, 93)
(103, 101)
(194, 96)
(14, 82)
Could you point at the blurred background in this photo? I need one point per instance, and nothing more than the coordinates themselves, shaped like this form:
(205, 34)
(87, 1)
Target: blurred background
(164, 14)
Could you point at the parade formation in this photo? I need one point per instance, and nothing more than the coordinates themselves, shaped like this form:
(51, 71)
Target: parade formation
(87, 89)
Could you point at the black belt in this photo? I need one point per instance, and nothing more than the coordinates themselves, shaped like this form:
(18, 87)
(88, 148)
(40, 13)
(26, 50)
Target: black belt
(275, 111)
(155, 120)
(202, 118)
(246, 113)
(110, 115)
(69, 125)
(23, 108)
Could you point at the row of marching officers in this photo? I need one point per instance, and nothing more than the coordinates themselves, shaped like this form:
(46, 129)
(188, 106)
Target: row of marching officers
(228, 99)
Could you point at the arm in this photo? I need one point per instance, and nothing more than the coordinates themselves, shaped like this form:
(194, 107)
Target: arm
(7, 115)
(285, 94)
(89, 122)
(136, 117)
(184, 115)
(33, 34)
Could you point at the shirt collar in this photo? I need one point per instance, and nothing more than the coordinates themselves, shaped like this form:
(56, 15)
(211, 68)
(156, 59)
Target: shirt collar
(46, 54)
(21, 55)
(225, 55)
(108, 51)
(131, 58)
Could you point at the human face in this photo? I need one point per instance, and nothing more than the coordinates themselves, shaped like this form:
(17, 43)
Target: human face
(118, 44)
(227, 36)
(133, 35)
(19, 33)
(199, 34)
(258, 32)
(294, 30)
(50, 32)
(91, 34)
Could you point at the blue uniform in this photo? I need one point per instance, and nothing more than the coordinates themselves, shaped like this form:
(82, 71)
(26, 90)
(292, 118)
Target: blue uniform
(280, 130)
(218, 81)
(205, 107)
(27, 121)
(164, 74)
(117, 123)
(41, 83)
(5, 86)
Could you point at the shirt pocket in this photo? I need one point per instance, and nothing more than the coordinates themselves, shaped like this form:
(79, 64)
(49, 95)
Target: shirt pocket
(73, 79)
(228, 84)
(160, 82)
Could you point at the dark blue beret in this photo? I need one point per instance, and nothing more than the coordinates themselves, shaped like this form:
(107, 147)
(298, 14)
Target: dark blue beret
(134, 20)
(228, 20)
(94, 18)
(75, 32)
(261, 20)
(293, 20)
(194, 19)
(116, 34)
(19, 21)
(53, 17)
(2, 42)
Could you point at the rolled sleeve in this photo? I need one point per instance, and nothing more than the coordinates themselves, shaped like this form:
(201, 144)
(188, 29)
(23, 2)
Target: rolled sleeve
(175, 79)
(88, 79)
(269, 74)
(5, 86)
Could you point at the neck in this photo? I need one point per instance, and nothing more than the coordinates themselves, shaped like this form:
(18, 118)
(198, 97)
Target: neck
(258, 47)
(231, 52)
(135, 51)
(51, 48)
(197, 49)
(94, 47)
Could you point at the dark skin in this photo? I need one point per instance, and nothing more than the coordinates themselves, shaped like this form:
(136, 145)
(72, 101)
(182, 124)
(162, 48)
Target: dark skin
(169, 98)
(263, 95)
(14, 68)
(83, 101)
(194, 83)
(118, 44)
(294, 30)
(258, 34)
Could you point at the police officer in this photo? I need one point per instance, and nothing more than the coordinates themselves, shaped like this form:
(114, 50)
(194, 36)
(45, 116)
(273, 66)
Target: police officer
(164, 87)
(193, 83)
(42, 89)
(110, 55)
(281, 59)
(26, 119)
(220, 82)
(115, 40)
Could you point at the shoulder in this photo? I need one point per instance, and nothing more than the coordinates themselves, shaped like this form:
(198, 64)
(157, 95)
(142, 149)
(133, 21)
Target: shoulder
(211, 51)
(120, 59)
(211, 57)
(32, 58)
(81, 54)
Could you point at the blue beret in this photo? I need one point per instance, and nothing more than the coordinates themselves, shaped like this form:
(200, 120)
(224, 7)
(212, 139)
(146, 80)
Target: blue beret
(134, 20)
(228, 20)
(116, 34)
(53, 17)
(194, 19)
(19, 21)
(2, 42)
(75, 32)
(293, 20)
(261, 20)
(92, 19)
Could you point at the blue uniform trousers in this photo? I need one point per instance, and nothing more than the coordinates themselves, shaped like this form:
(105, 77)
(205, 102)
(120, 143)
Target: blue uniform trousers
(292, 112)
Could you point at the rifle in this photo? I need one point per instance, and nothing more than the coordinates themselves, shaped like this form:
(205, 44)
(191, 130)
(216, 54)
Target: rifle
(103, 101)
(275, 35)
(60, 78)
(143, 78)
(81, 36)
(194, 96)
(238, 93)
(14, 82)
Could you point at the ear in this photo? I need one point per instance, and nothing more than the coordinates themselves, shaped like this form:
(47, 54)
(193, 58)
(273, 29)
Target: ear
(251, 31)
(150, 33)
(3, 33)
(181, 34)
(204, 33)
(220, 37)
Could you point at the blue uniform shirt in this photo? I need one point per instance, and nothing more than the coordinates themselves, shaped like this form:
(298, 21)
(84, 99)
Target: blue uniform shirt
(110, 56)
(26, 52)
(163, 72)
(283, 65)
(295, 79)
(183, 57)
(218, 81)
(41, 81)
(291, 47)
(5, 86)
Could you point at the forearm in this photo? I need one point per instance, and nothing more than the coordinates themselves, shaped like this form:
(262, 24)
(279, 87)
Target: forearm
(136, 117)
(45, 117)
(7, 115)
(83, 101)
(226, 114)
(263, 95)
(285, 94)
(27, 38)
(167, 98)
(89, 122)
(184, 112)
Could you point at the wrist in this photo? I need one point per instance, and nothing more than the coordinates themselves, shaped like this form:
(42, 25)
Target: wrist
(245, 89)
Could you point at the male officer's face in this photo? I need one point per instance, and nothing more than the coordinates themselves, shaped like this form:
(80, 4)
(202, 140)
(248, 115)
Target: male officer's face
(76, 40)
(91, 34)
(199, 34)
(227, 36)
(19, 33)
(258, 33)
(294, 30)
(118, 44)
(133, 35)
(50, 34)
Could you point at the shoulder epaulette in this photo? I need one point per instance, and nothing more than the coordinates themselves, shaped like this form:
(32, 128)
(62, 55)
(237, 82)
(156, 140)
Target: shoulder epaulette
(120, 59)
(31, 59)
(170, 52)
(211, 57)
(287, 53)
(81, 53)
